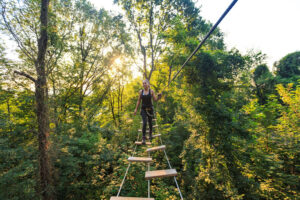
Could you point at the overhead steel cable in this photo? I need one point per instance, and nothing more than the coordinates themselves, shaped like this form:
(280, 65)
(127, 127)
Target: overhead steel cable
(203, 41)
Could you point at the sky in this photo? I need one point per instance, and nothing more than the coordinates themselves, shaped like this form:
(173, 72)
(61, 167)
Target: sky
(269, 26)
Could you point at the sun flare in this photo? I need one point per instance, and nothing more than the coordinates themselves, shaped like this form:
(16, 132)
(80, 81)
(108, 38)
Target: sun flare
(118, 61)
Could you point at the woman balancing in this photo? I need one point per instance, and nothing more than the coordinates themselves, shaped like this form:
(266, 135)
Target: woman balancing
(146, 96)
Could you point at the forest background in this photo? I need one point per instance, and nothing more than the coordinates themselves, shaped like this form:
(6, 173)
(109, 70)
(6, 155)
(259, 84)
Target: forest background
(231, 126)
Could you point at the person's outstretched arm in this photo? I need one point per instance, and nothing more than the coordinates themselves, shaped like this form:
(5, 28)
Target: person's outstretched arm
(156, 98)
(138, 103)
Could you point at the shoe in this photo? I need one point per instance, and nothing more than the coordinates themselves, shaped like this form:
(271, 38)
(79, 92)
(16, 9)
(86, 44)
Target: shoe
(144, 140)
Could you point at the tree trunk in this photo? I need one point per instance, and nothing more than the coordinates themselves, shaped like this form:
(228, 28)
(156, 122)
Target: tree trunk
(143, 51)
(170, 74)
(112, 102)
(122, 98)
(42, 107)
(119, 97)
(55, 108)
(151, 40)
(8, 114)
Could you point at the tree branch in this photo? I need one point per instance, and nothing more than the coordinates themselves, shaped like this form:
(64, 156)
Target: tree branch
(26, 75)
(14, 35)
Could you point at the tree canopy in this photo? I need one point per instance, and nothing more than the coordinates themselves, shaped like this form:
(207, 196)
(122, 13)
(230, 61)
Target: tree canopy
(69, 88)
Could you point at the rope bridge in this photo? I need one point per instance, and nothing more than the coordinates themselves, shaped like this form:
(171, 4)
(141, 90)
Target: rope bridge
(166, 172)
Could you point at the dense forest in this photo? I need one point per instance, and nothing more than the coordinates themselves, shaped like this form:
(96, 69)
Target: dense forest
(68, 89)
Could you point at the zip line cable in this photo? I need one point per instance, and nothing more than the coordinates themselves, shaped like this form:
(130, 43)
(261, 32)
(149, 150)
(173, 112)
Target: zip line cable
(200, 45)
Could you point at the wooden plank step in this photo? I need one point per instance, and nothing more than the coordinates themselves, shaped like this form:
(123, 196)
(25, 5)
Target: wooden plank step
(140, 130)
(140, 143)
(154, 136)
(140, 159)
(157, 135)
(155, 126)
(160, 173)
(162, 147)
(130, 198)
(147, 122)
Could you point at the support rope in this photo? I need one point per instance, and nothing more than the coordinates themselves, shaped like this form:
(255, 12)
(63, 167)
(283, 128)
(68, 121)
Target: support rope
(161, 142)
(149, 180)
(123, 181)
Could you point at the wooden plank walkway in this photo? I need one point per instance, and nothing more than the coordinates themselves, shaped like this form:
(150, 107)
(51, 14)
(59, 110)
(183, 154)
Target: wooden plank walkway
(149, 174)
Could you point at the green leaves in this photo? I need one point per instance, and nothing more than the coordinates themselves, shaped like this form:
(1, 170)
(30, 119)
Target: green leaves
(229, 133)
(275, 128)
(288, 66)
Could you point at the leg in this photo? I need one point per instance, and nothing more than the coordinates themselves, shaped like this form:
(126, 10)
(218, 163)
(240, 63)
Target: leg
(144, 117)
(150, 124)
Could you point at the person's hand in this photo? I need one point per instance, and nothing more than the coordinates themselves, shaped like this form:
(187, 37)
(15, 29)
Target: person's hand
(159, 95)
(134, 113)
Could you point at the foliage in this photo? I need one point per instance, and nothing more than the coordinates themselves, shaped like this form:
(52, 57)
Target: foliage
(18, 144)
(264, 83)
(288, 68)
(275, 128)
(230, 131)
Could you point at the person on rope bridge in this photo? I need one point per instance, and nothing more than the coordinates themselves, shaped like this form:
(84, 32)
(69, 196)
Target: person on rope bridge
(146, 96)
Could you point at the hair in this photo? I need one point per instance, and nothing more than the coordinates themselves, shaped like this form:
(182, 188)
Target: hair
(147, 81)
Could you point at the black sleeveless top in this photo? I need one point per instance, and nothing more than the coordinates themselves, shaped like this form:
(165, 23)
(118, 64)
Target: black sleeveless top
(146, 100)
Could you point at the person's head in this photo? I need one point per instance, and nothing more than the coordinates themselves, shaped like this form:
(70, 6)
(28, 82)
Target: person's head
(146, 84)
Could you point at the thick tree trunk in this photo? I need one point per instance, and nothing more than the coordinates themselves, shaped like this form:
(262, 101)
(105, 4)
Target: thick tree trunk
(43, 134)
(42, 107)
(41, 97)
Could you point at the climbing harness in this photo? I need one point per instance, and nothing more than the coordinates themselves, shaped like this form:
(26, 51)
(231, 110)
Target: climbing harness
(149, 110)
